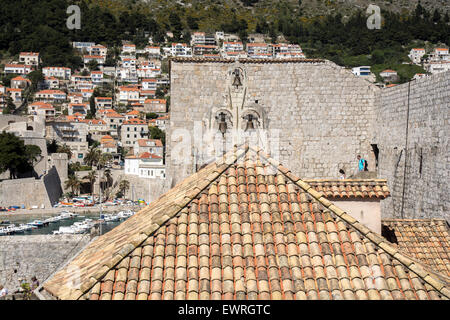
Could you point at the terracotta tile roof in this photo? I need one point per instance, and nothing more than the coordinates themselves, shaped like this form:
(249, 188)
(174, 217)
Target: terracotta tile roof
(29, 53)
(134, 121)
(244, 230)
(132, 112)
(351, 188)
(148, 155)
(144, 142)
(163, 101)
(427, 240)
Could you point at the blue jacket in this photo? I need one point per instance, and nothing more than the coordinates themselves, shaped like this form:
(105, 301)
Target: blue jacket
(361, 164)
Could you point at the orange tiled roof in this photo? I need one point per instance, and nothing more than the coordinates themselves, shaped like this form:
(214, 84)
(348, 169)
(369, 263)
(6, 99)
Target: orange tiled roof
(244, 228)
(155, 101)
(20, 78)
(29, 53)
(148, 155)
(46, 106)
(39, 103)
(132, 113)
(134, 121)
(50, 92)
(128, 89)
(427, 240)
(351, 188)
(143, 142)
(105, 138)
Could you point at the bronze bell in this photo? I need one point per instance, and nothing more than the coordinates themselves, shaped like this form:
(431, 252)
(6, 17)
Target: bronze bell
(223, 127)
(237, 79)
(250, 125)
(222, 124)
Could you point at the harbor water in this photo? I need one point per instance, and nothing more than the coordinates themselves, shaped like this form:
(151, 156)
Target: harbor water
(54, 226)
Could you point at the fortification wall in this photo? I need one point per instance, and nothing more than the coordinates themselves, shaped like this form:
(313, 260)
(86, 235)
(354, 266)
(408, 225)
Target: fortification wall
(22, 257)
(427, 153)
(325, 114)
(31, 192)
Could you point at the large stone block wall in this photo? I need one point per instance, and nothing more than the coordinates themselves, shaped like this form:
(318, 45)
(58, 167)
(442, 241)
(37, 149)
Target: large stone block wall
(325, 113)
(31, 192)
(426, 186)
(22, 257)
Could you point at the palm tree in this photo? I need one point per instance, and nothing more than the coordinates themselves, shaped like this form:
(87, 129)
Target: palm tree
(109, 178)
(92, 157)
(104, 158)
(124, 185)
(92, 177)
(73, 183)
(65, 149)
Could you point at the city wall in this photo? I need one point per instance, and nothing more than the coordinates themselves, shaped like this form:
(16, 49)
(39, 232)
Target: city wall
(22, 257)
(424, 146)
(30, 192)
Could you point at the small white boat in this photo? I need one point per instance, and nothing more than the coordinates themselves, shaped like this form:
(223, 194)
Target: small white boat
(67, 214)
(36, 223)
(67, 230)
(25, 227)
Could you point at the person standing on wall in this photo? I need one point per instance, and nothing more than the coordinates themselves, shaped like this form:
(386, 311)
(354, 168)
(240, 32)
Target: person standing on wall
(362, 163)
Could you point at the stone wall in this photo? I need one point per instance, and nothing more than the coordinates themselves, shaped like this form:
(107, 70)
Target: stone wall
(427, 152)
(31, 192)
(22, 257)
(325, 114)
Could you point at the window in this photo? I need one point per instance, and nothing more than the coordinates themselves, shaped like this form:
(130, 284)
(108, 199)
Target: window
(128, 128)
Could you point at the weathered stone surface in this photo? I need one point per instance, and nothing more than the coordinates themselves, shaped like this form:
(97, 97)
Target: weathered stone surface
(324, 113)
(22, 257)
(428, 151)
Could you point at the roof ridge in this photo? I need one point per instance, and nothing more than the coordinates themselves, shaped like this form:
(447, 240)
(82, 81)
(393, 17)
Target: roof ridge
(346, 180)
(415, 266)
(160, 218)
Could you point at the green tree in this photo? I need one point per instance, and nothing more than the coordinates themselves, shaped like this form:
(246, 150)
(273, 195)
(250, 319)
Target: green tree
(92, 65)
(151, 115)
(92, 157)
(10, 106)
(35, 77)
(124, 185)
(156, 133)
(92, 176)
(65, 149)
(13, 155)
(104, 159)
(52, 146)
(192, 22)
(73, 183)
(92, 108)
(109, 178)
(33, 153)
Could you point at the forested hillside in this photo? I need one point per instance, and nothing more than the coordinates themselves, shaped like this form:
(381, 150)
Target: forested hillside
(30, 25)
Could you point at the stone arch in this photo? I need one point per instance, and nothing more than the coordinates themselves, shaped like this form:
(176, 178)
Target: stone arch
(228, 119)
(256, 119)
